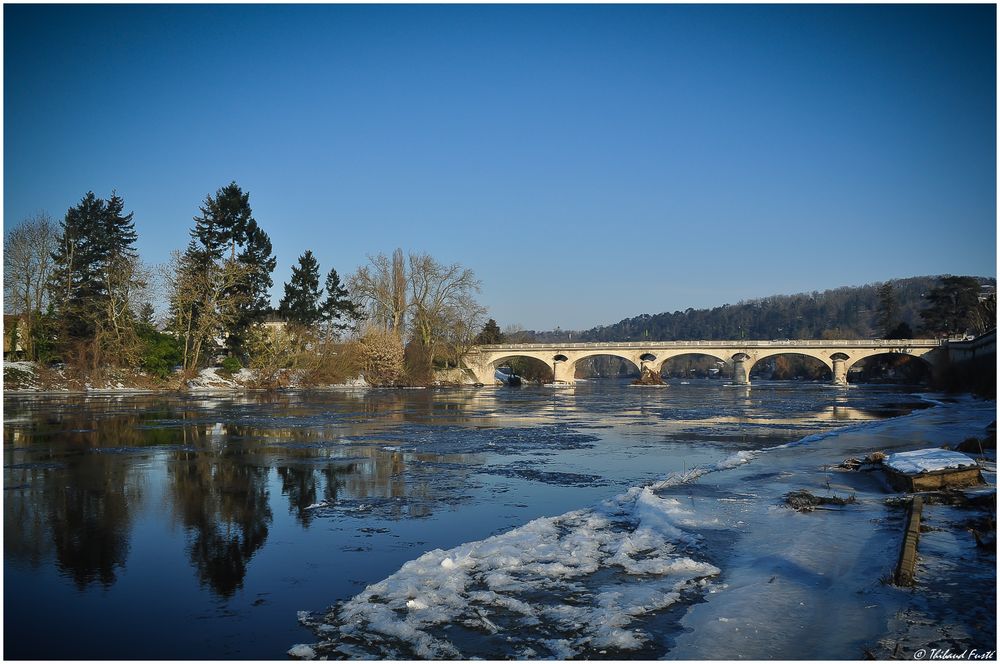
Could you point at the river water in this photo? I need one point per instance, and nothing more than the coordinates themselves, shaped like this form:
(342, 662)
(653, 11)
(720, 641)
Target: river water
(199, 526)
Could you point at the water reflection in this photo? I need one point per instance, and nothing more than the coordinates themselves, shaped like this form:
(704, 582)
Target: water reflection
(79, 511)
(76, 468)
(220, 496)
(79, 469)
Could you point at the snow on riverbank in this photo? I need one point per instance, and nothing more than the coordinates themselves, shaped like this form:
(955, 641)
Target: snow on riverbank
(30, 377)
(775, 583)
(813, 585)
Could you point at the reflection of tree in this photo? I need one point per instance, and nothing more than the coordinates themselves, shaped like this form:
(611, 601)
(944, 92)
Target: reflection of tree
(81, 512)
(220, 496)
(90, 519)
(301, 484)
(25, 528)
(75, 470)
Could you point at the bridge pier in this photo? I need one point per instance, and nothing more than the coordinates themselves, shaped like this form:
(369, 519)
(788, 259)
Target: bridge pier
(839, 370)
(565, 372)
(741, 371)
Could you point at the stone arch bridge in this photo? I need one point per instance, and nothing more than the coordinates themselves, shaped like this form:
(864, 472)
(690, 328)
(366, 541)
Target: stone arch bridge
(741, 355)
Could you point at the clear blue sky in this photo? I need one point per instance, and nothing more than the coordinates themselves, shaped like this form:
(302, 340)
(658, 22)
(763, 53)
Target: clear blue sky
(587, 162)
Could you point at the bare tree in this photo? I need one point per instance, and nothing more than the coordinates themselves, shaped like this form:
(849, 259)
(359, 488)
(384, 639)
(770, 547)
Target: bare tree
(27, 267)
(441, 297)
(127, 280)
(467, 320)
(202, 301)
(381, 289)
(983, 317)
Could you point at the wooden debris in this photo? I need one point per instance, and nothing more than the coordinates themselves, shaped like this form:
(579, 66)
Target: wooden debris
(908, 552)
(803, 501)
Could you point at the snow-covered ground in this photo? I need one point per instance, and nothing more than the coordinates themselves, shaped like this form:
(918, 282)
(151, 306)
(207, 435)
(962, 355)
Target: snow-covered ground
(748, 577)
(25, 377)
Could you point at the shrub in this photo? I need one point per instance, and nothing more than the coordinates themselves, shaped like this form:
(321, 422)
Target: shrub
(417, 361)
(231, 365)
(160, 353)
(331, 364)
(381, 357)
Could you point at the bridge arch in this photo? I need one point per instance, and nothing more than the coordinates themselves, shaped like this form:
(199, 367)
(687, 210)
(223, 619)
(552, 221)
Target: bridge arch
(499, 359)
(627, 358)
(915, 365)
(667, 359)
(825, 365)
(763, 355)
(537, 367)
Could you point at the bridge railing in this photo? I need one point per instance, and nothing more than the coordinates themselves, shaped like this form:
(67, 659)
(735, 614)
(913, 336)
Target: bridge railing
(740, 343)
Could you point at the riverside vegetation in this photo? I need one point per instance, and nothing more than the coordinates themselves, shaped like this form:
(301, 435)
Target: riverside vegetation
(80, 308)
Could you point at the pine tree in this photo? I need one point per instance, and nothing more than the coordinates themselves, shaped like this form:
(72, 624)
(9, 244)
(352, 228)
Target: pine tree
(97, 275)
(119, 229)
(146, 316)
(301, 303)
(951, 305)
(224, 221)
(254, 291)
(490, 334)
(338, 310)
(226, 231)
(76, 284)
(887, 318)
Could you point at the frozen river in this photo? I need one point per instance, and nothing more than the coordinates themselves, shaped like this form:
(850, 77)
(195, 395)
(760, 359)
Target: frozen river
(598, 520)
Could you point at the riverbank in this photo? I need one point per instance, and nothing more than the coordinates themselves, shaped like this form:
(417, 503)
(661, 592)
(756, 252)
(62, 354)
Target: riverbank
(32, 377)
(707, 564)
(818, 584)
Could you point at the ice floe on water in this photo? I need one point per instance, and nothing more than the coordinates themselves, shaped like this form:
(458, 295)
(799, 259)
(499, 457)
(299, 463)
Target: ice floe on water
(928, 461)
(577, 584)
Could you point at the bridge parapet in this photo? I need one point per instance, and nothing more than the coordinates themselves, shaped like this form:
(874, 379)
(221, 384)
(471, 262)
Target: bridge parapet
(750, 343)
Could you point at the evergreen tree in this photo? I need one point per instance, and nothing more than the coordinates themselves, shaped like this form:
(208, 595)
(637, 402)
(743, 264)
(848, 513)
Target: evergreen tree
(254, 291)
(224, 221)
(146, 316)
(96, 277)
(490, 334)
(338, 310)
(119, 229)
(76, 279)
(887, 318)
(301, 303)
(226, 231)
(951, 305)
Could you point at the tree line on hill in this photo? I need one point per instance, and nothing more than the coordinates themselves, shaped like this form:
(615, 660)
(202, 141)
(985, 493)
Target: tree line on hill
(900, 308)
(936, 307)
(80, 295)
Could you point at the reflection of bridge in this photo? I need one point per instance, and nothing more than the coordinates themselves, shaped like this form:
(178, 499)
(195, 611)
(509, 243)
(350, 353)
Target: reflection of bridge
(838, 356)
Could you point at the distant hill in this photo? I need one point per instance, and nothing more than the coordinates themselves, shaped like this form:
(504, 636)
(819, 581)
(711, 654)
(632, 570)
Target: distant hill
(841, 313)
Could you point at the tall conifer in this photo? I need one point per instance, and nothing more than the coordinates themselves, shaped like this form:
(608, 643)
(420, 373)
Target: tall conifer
(301, 303)
(95, 235)
(338, 309)
(226, 231)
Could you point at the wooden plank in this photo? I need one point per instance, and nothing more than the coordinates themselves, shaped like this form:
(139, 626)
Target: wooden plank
(908, 552)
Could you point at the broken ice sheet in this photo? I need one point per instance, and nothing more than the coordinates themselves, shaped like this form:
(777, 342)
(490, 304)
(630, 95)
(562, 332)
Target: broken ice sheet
(564, 586)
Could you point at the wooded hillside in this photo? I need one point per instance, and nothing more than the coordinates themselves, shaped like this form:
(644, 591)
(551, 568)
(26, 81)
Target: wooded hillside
(842, 313)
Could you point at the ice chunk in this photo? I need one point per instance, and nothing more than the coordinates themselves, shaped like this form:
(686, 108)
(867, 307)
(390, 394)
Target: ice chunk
(542, 587)
(302, 651)
(928, 460)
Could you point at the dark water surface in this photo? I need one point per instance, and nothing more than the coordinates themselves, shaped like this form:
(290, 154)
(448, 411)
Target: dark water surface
(195, 526)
